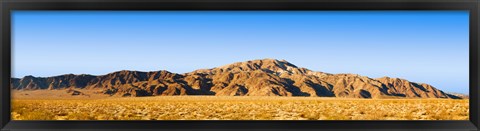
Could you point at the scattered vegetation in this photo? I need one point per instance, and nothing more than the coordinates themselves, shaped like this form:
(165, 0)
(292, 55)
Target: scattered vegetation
(239, 108)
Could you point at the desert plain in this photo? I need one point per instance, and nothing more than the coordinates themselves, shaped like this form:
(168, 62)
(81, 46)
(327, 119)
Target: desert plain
(62, 105)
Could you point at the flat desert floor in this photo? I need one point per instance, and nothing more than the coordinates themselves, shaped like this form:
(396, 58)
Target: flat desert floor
(58, 105)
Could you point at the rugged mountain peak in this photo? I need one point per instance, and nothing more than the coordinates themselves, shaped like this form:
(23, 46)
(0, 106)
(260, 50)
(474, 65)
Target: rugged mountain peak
(124, 72)
(28, 77)
(392, 80)
(266, 65)
(261, 77)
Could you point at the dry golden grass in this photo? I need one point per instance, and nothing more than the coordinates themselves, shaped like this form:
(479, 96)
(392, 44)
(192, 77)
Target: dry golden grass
(238, 108)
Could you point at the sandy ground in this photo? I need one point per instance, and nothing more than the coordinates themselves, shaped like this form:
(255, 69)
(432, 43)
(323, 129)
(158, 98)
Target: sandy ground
(60, 105)
(57, 94)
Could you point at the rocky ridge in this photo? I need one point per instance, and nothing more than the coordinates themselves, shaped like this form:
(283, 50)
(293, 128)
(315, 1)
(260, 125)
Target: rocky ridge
(265, 77)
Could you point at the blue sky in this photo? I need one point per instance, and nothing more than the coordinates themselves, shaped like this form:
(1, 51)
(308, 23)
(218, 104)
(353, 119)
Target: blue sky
(421, 46)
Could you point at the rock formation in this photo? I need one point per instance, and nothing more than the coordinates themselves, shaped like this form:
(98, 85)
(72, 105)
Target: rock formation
(266, 77)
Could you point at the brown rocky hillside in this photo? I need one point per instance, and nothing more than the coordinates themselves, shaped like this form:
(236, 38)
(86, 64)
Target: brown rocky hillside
(266, 77)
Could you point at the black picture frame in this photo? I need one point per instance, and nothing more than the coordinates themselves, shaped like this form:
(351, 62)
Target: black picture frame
(7, 6)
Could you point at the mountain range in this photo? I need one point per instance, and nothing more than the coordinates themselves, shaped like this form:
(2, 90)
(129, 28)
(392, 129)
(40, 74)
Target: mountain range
(263, 77)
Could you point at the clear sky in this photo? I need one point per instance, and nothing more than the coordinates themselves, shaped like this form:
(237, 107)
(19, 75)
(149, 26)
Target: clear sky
(420, 46)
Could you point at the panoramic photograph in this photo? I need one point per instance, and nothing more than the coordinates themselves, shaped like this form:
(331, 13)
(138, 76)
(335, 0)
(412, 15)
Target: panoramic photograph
(240, 65)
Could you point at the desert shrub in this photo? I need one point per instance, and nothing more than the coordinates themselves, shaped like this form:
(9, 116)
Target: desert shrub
(239, 108)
